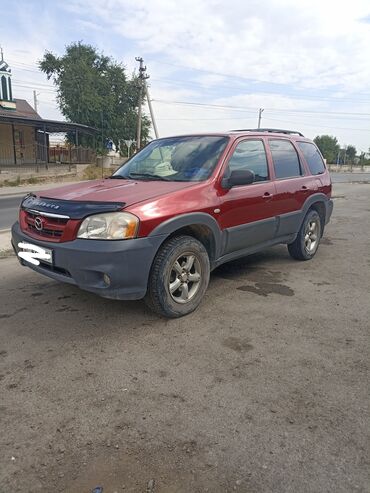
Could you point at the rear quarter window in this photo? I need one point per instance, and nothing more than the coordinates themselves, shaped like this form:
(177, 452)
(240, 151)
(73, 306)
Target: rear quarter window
(285, 159)
(312, 157)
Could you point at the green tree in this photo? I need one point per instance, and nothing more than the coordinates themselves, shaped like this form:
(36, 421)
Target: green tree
(94, 90)
(351, 154)
(328, 146)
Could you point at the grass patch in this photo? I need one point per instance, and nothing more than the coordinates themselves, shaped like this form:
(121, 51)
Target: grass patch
(11, 183)
(96, 172)
(34, 180)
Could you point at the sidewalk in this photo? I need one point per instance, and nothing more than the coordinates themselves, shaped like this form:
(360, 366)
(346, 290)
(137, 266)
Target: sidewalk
(24, 189)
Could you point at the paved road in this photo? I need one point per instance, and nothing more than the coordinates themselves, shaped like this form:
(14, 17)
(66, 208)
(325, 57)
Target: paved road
(263, 389)
(350, 177)
(9, 206)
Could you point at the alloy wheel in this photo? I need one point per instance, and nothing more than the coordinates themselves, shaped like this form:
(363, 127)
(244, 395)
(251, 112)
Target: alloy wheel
(311, 236)
(185, 277)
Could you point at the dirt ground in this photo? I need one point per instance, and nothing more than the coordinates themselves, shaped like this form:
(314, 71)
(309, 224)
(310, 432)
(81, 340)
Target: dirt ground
(265, 388)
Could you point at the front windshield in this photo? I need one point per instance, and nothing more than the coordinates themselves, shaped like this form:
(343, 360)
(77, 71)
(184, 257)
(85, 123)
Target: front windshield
(190, 158)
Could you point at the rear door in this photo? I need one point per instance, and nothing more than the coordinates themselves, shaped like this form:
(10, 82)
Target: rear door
(246, 211)
(293, 185)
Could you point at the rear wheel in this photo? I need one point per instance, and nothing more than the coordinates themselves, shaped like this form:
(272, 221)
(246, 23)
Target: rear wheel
(307, 242)
(178, 278)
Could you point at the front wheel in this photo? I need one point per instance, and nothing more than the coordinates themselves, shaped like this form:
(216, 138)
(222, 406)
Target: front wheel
(307, 242)
(179, 277)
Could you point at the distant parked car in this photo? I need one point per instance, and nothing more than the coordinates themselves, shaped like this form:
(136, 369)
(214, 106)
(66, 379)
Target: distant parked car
(176, 210)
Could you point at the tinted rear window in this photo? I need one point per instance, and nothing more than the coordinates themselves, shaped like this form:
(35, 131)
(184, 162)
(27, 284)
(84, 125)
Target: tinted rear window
(285, 159)
(312, 156)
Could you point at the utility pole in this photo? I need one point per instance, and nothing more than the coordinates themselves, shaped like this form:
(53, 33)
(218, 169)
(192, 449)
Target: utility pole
(155, 128)
(260, 111)
(142, 77)
(338, 156)
(35, 101)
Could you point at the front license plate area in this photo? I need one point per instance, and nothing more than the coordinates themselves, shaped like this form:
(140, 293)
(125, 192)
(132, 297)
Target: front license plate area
(34, 254)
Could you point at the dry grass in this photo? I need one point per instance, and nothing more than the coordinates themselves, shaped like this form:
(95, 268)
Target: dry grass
(96, 172)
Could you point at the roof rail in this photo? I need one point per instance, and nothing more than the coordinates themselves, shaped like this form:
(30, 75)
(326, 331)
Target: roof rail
(271, 130)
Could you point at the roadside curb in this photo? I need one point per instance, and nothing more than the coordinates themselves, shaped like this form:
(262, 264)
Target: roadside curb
(18, 190)
(5, 243)
(5, 195)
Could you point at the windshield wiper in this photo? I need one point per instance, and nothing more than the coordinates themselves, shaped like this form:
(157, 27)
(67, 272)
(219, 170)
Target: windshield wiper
(148, 176)
(116, 177)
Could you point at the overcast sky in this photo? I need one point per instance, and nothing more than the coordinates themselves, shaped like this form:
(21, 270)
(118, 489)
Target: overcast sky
(306, 63)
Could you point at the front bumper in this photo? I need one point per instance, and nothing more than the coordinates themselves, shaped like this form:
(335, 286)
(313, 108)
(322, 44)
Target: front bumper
(84, 263)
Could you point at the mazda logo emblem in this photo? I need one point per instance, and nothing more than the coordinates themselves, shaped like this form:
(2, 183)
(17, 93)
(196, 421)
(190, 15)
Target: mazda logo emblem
(39, 223)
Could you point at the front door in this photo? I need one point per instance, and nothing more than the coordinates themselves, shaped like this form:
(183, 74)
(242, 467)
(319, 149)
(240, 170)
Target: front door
(246, 212)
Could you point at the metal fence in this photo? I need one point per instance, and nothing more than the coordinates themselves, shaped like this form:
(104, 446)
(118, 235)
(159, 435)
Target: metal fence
(71, 155)
(37, 157)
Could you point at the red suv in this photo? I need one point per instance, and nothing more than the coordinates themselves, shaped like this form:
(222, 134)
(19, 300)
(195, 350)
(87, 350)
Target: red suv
(176, 210)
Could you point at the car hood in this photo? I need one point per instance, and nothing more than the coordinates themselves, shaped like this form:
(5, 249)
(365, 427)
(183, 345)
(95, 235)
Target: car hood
(112, 190)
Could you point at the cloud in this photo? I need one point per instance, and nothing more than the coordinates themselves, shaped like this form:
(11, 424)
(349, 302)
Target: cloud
(278, 54)
(310, 43)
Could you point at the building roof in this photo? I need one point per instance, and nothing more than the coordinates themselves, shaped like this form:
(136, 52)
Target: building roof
(24, 114)
(23, 110)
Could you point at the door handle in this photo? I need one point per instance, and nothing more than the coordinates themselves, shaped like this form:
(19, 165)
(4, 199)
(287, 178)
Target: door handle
(304, 188)
(267, 195)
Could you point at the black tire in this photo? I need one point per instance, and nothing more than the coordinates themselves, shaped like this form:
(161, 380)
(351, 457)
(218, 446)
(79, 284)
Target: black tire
(302, 248)
(171, 268)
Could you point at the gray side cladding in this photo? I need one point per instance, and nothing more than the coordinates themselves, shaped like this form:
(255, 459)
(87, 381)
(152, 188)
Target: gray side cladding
(283, 226)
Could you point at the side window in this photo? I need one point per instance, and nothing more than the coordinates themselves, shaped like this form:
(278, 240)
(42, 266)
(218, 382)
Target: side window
(250, 155)
(285, 159)
(313, 158)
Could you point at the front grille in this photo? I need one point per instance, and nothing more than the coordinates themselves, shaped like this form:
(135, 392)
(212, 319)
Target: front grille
(55, 233)
(52, 227)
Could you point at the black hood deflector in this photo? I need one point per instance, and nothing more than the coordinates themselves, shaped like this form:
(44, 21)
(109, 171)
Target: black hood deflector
(74, 209)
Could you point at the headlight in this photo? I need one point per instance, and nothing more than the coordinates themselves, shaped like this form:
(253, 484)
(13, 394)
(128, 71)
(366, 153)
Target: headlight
(109, 226)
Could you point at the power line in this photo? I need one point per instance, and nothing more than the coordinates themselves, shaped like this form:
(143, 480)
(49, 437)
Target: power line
(35, 86)
(229, 76)
(256, 91)
(267, 118)
(317, 125)
(205, 119)
(250, 109)
(32, 68)
(43, 84)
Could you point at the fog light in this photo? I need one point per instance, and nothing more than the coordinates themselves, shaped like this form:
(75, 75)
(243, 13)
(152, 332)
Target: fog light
(106, 279)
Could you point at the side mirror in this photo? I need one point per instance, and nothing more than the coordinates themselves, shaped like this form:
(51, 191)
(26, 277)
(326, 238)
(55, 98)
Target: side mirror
(238, 177)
